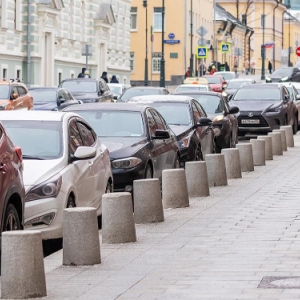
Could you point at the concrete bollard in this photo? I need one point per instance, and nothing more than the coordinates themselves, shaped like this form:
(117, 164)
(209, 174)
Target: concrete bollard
(283, 138)
(276, 143)
(216, 169)
(81, 244)
(148, 206)
(289, 135)
(268, 146)
(117, 219)
(258, 147)
(246, 157)
(22, 265)
(174, 189)
(232, 163)
(197, 178)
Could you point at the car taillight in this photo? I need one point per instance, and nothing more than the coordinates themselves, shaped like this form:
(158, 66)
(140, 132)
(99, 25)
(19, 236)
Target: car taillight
(18, 151)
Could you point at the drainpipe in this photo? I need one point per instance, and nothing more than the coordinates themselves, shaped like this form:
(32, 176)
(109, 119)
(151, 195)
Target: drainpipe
(245, 44)
(277, 4)
(185, 34)
(249, 40)
(28, 41)
(282, 33)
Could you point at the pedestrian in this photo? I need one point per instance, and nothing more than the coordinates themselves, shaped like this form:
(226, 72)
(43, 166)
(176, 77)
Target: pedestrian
(235, 64)
(227, 67)
(114, 79)
(201, 68)
(81, 75)
(86, 74)
(246, 66)
(270, 67)
(187, 73)
(253, 65)
(213, 70)
(104, 76)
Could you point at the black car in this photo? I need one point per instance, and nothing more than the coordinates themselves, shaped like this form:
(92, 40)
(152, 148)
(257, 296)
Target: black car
(140, 143)
(264, 107)
(51, 98)
(223, 117)
(88, 90)
(284, 75)
(142, 91)
(188, 121)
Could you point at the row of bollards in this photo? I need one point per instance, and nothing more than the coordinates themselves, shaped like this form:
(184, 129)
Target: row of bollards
(23, 274)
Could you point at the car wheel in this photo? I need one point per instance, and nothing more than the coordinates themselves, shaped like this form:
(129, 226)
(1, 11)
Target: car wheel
(71, 202)
(295, 126)
(11, 219)
(148, 172)
(198, 154)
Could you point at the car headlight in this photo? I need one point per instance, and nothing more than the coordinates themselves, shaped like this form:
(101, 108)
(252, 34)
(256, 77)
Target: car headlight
(125, 163)
(285, 78)
(46, 189)
(274, 109)
(268, 79)
(218, 118)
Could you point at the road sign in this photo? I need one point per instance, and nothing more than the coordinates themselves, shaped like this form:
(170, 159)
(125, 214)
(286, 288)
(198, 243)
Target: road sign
(202, 31)
(202, 42)
(225, 47)
(201, 52)
(298, 51)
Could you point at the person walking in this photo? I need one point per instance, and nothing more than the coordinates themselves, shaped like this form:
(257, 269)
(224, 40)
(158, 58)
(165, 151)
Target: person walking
(187, 73)
(270, 67)
(114, 79)
(213, 70)
(253, 65)
(104, 76)
(81, 75)
(201, 69)
(227, 67)
(246, 66)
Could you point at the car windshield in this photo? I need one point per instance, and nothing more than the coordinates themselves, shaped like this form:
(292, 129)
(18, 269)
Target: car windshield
(213, 80)
(113, 123)
(4, 91)
(212, 104)
(115, 89)
(291, 91)
(80, 86)
(282, 72)
(258, 94)
(226, 76)
(191, 88)
(174, 113)
(43, 95)
(236, 84)
(38, 139)
(130, 93)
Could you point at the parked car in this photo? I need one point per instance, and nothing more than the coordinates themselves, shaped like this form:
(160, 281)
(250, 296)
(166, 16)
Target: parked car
(234, 84)
(193, 87)
(217, 83)
(140, 143)
(227, 75)
(12, 193)
(88, 90)
(189, 122)
(65, 165)
(223, 117)
(284, 74)
(142, 91)
(51, 98)
(195, 80)
(14, 95)
(264, 107)
(118, 89)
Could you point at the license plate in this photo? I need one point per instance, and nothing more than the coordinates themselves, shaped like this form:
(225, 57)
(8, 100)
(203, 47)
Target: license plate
(251, 121)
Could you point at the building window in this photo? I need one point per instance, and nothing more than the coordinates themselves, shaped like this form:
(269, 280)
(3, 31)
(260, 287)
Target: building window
(4, 73)
(157, 19)
(59, 77)
(131, 60)
(244, 19)
(133, 18)
(263, 21)
(18, 74)
(156, 59)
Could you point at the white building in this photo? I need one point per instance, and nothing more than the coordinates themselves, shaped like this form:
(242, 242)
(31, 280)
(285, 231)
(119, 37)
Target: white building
(59, 30)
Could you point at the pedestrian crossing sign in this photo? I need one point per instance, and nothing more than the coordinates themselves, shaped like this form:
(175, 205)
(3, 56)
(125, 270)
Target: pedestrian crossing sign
(202, 52)
(225, 47)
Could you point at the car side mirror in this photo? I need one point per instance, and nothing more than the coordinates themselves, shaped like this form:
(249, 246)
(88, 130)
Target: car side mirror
(204, 122)
(84, 152)
(116, 97)
(161, 134)
(233, 110)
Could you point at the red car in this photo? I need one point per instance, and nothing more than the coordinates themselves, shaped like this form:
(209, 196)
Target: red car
(12, 193)
(216, 82)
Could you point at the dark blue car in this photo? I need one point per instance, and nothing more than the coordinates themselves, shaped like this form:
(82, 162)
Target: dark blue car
(52, 98)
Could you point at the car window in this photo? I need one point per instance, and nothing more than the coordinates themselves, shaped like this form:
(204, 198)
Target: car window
(158, 120)
(66, 95)
(21, 91)
(196, 113)
(201, 110)
(1, 133)
(151, 123)
(284, 93)
(60, 95)
(14, 90)
(86, 134)
(75, 140)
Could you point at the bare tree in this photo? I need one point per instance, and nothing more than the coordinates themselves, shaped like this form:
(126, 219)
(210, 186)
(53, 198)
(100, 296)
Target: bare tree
(243, 6)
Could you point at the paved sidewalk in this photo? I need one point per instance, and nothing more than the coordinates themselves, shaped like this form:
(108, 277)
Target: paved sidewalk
(221, 247)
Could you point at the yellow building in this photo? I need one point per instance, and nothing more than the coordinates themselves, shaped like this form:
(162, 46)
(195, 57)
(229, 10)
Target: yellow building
(177, 46)
(254, 14)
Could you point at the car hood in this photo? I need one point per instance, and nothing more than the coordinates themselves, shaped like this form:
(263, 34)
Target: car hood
(44, 105)
(82, 96)
(123, 147)
(37, 171)
(180, 130)
(254, 105)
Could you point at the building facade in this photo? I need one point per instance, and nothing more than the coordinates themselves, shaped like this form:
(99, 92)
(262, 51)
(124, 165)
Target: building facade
(44, 42)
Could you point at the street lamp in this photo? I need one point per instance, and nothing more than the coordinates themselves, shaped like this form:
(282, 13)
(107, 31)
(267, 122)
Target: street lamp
(162, 81)
(263, 49)
(146, 58)
(192, 56)
(289, 60)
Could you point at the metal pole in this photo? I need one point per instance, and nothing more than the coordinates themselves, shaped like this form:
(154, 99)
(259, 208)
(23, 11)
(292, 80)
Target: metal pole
(28, 42)
(214, 35)
(263, 50)
(289, 63)
(162, 82)
(146, 83)
(192, 57)
(86, 56)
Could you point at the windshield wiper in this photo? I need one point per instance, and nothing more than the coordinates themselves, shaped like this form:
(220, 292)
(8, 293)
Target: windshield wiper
(32, 157)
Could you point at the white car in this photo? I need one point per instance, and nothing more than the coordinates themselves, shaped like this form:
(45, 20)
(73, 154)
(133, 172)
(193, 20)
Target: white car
(193, 87)
(118, 89)
(65, 165)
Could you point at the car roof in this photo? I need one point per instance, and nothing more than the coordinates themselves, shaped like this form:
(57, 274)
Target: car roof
(213, 75)
(162, 98)
(261, 86)
(193, 85)
(82, 79)
(118, 84)
(197, 93)
(242, 79)
(34, 115)
(147, 87)
(107, 106)
(45, 88)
